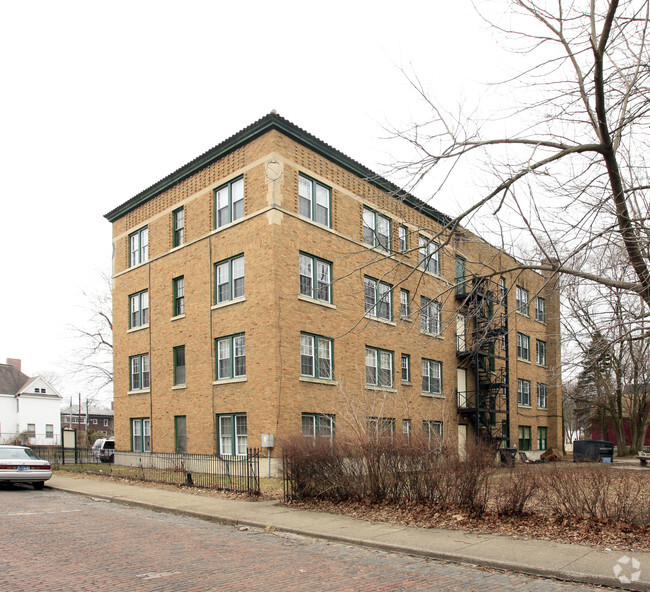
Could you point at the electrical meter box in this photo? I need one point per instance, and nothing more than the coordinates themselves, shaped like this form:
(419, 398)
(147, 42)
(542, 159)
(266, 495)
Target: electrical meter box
(268, 440)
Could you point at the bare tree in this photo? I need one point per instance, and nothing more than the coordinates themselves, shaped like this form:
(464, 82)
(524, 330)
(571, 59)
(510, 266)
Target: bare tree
(570, 171)
(93, 359)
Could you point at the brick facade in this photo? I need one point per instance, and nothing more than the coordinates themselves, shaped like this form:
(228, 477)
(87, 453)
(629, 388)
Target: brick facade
(272, 314)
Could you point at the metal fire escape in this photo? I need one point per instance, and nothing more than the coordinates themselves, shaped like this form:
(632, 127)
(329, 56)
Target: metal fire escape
(483, 352)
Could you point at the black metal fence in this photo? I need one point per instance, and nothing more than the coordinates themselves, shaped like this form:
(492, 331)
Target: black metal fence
(229, 473)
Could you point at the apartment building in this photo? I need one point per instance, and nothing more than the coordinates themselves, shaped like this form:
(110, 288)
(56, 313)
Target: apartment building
(275, 286)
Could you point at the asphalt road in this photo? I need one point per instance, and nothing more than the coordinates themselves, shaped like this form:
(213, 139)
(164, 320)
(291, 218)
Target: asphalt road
(52, 541)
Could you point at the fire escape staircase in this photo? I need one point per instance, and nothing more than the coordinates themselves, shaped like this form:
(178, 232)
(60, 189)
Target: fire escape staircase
(483, 351)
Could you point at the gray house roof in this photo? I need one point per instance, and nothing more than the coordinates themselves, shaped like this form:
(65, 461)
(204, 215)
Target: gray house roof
(12, 380)
(92, 410)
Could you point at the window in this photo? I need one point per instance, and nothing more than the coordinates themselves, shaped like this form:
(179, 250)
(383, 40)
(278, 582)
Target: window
(376, 229)
(179, 365)
(504, 290)
(430, 316)
(461, 284)
(231, 356)
(379, 367)
(106, 423)
(37, 390)
(31, 430)
(180, 430)
(432, 431)
(542, 402)
(380, 427)
(139, 372)
(139, 309)
(402, 237)
(523, 392)
(141, 435)
(49, 430)
(542, 438)
(314, 200)
(378, 299)
(429, 255)
(522, 300)
(178, 221)
(540, 309)
(523, 346)
(139, 247)
(229, 280)
(404, 304)
(541, 352)
(406, 368)
(94, 421)
(431, 377)
(316, 357)
(406, 429)
(179, 296)
(229, 203)
(317, 425)
(43, 390)
(524, 438)
(233, 434)
(315, 278)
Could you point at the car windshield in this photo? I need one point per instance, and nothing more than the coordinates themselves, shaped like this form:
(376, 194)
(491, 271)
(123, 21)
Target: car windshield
(109, 444)
(17, 453)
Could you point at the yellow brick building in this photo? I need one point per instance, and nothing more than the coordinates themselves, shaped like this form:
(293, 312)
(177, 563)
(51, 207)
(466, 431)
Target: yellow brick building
(275, 286)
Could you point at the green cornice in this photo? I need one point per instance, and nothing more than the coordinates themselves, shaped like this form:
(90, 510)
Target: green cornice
(269, 122)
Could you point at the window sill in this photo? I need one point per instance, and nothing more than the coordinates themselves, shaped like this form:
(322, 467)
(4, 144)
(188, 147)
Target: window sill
(524, 406)
(542, 366)
(178, 317)
(545, 408)
(524, 360)
(434, 335)
(406, 319)
(140, 328)
(139, 392)
(379, 320)
(315, 301)
(433, 395)
(177, 247)
(388, 389)
(431, 273)
(228, 303)
(230, 380)
(318, 380)
(380, 249)
(523, 314)
(179, 387)
(407, 383)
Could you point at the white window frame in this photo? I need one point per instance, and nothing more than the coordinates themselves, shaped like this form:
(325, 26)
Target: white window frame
(229, 197)
(540, 355)
(233, 434)
(231, 349)
(429, 255)
(404, 303)
(523, 392)
(231, 275)
(431, 377)
(314, 200)
(319, 350)
(139, 309)
(317, 426)
(141, 434)
(406, 368)
(379, 367)
(139, 372)
(139, 246)
(402, 238)
(522, 300)
(430, 316)
(315, 278)
(523, 347)
(178, 230)
(378, 299)
(540, 309)
(377, 229)
(542, 396)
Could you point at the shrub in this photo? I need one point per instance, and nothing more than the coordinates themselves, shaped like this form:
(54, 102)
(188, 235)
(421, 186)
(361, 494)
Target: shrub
(515, 489)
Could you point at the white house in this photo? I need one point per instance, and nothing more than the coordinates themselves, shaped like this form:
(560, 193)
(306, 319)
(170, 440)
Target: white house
(29, 407)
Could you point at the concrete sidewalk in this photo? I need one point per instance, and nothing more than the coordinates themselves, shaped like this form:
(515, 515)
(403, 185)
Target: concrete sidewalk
(574, 563)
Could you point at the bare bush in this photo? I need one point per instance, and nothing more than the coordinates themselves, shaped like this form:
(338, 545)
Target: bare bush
(513, 491)
(598, 493)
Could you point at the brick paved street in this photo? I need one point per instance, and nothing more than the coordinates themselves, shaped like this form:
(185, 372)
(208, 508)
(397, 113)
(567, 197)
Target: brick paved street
(58, 542)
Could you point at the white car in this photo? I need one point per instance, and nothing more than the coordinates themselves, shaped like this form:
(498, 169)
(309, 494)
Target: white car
(20, 464)
(104, 449)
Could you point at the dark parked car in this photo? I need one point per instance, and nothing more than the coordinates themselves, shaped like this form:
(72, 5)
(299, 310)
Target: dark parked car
(20, 464)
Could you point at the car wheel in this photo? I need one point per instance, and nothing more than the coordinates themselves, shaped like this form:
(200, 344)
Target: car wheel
(38, 484)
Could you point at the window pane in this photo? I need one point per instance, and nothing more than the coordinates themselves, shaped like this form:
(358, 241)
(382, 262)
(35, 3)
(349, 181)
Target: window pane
(306, 355)
(324, 358)
(223, 356)
(384, 305)
(371, 366)
(135, 310)
(241, 431)
(309, 426)
(237, 195)
(239, 346)
(386, 372)
(323, 275)
(305, 197)
(144, 306)
(383, 232)
(322, 205)
(370, 287)
(145, 371)
(135, 373)
(369, 227)
(225, 435)
(306, 277)
(238, 277)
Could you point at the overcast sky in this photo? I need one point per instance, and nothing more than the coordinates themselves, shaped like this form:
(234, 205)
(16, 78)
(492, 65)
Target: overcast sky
(101, 100)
